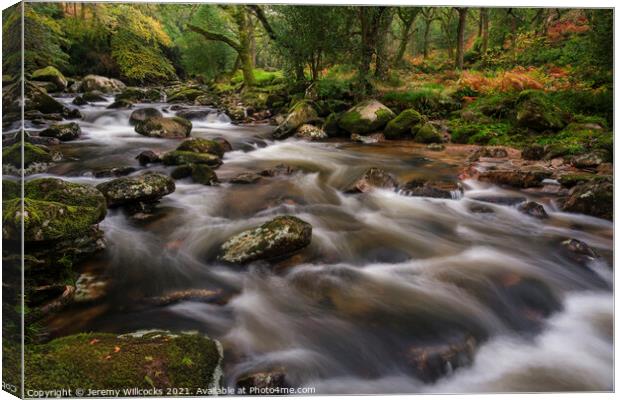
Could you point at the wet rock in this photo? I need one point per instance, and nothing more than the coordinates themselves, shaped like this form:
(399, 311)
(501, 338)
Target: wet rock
(147, 188)
(593, 198)
(148, 157)
(53, 305)
(181, 172)
(143, 114)
(186, 94)
(533, 152)
(52, 75)
(79, 101)
(121, 104)
(537, 112)
(32, 154)
(202, 295)
(480, 209)
(162, 127)
(177, 157)
(199, 145)
(280, 169)
(570, 180)
(114, 172)
(145, 359)
(368, 139)
(435, 361)
(426, 133)
(254, 382)
(366, 117)
(275, 239)
(204, 175)
(54, 209)
(94, 96)
(89, 287)
(579, 251)
(331, 127)
(310, 132)
(501, 200)
(138, 95)
(592, 159)
(555, 150)
(524, 177)
(487, 152)
(402, 124)
(63, 132)
(246, 178)
(35, 98)
(224, 144)
(303, 112)
(194, 114)
(533, 209)
(436, 147)
(374, 178)
(100, 83)
(434, 189)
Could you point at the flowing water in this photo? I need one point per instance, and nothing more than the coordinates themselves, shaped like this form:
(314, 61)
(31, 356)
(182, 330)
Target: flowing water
(385, 273)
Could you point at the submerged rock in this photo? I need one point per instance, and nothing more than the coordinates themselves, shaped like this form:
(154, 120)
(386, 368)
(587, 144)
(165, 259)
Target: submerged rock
(246, 178)
(256, 381)
(148, 157)
(113, 172)
(147, 188)
(143, 114)
(204, 175)
(63, 132)
(278, 238)
(435, 361)
(434, 189)
(593, 198)
(121, 104)
(366, 117)
(147, 359)
(579, 251)
(162, 127)
(533, 209)
(436, 147)
(374, 178)
(177, 157)
(280, 169)
(94, 96)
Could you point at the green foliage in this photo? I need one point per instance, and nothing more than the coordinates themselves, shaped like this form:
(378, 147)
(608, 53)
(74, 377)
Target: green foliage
(262, 77)
(428, 101)
(477, 133)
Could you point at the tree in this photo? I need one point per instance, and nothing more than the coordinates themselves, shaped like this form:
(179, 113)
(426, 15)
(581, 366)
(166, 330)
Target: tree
(370, 19)
(447, 18)
(430, 15)
(406, 16)
(484, 28)
(460, 41)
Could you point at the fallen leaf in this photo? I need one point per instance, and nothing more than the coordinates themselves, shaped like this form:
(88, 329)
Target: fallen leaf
(94, 341)
(117, 349)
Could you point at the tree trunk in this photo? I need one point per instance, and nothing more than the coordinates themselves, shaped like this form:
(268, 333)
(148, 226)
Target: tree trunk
(382, 65)
(370, 18)
(427, 30)
(484, 14)
(460, 41)
(404, 39)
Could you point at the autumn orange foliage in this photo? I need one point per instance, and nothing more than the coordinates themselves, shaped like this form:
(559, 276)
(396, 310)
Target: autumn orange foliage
(516, 80)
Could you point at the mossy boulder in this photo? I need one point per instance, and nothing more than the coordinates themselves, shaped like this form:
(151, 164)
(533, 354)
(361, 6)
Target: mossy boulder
(595, 197)
(143, 114)
(62, 132)
(36, 99)
(199, 145)
(366, 117)
(402, 124)
(131, 94)
(278, 238)
(120, 104)
(12, 155)
(203, 174)
(54, 209)
(163, 127)
(303, 112)
(331, 126)
(145, 188)
(177, 157)
(52, 75)
(101, 83)
(426, 133)
(185, 95)
(144, 360)
(94, 96)
(570, 180)
(536, 111)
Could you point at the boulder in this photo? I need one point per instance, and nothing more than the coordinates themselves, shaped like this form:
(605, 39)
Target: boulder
(280, 169)
(148, 360)
(101, 83)
(148, 157)
(177, 157)
(32, 154)
(303, 112)
(368, 139)
(374, 178)
(331, 127)
(120, 104)
(224, 144)
(434, 189)
(535, 111)
(35, 100)
(131, 94)
(533, 152)
(181, 172)
(487, 152)
(579, 251)
(426, 133)
(185, 95)
(592, 159)
(593, 198)
(145, 188)
(524, 177)
(366, 117)
(52, 75)
(63, 132)
(162, 127)
(555, 150)
(570, 180)
(114, 172)
(402, 124)
(94, 96)
(257, 381)
(54, 210)
(431, 362)
(143, 114)
(533, 209)
(203, 174)
(278, 238)
(199, 145)
(79, 101)
(310, 132)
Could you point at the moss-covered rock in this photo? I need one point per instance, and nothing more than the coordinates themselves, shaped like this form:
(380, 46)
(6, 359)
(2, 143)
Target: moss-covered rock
(303, 112)
(185, 95)
(10, 189)
(54, 209)
(52, 75)
(591, 159)
(94, 96)
(331, 126)
(595, 197)
(366, 117)
(203, 174)
(120, 104)
(401, 125)
(537, 112)
(147, 361)
(278, 238)
(145, 188)
(199, 145)
(163, 127)
(426, 133)
(36, 99)
(131, 94)
(12, 155)
(143, 114)
(177, 157)
(533, 152)
(101, 83)
(570, 180)
(63, 132)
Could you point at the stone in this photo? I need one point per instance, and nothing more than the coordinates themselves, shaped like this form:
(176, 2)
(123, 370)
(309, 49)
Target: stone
(163, 127)
(101, 83)
(524, 177)
(487, 152)
(177, 157)
(533, 209)
(146, 188)
(579, 251)
(366, 117)
(431, 362)
(537, 112)
(148, 157)
(402, 124)
(262, 380)
(280, 169)
(310, 132)
(374, 178)
(434, 189)
(143, 114)
(114, 172)
(204, 175)
(32, 154)
(246, 178)
(436, 147)
(199, 145)
(368, 139)
(303, 112)
(121, 104)
(63, 132)
(79, 101)
(426, 133)
(194, 114)
(52, 75)
(181, 172)
(591, 159)
(593, 198)
(94, 96)
(533, 152)
(279, 238)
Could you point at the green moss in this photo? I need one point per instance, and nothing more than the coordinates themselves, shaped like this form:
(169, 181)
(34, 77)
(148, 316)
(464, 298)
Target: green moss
(401, 125)
(107, 361)
(10, 189)
(204, 175)
(426, 100)
(537, 111)
(185, 95)
(261, 77)
(199, 145)
(426, 133)
(177, 157)
(132, 94)
(570, 180)
(360, 120)
(50, 74)
(32, 154)
(476, 133)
